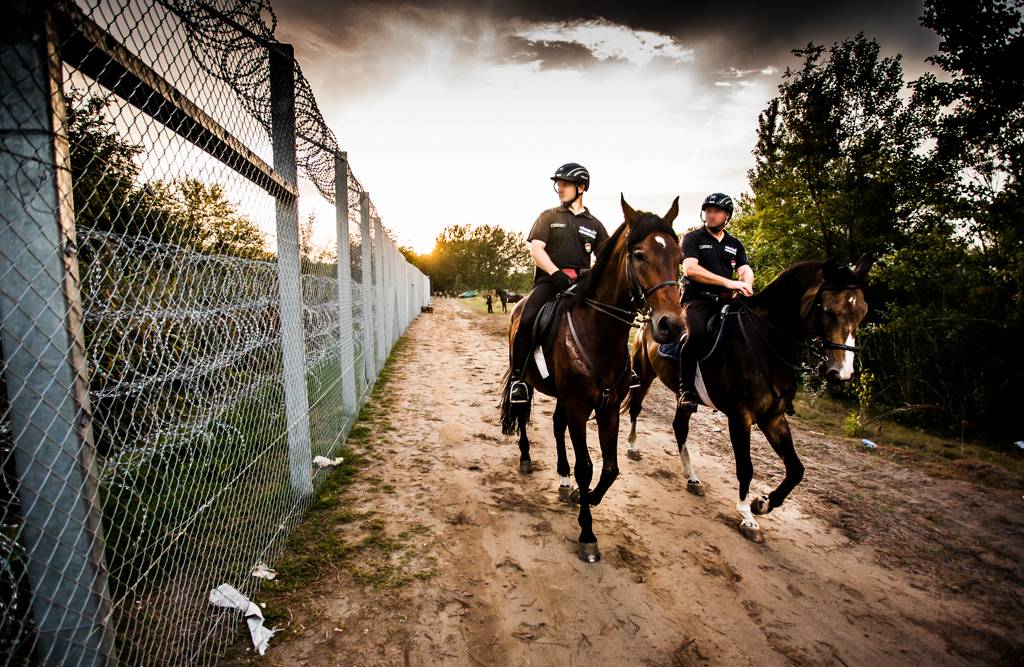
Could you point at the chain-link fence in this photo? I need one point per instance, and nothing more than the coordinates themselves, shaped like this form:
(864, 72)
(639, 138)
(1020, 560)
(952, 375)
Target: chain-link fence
(196, 295)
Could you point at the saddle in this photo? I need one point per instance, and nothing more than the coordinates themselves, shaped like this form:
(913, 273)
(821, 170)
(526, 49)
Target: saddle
(545, 324)
(715, 327)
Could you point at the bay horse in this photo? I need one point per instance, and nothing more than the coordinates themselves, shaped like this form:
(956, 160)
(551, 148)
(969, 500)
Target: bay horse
(636, 270)
(503, 297)
(750, 373)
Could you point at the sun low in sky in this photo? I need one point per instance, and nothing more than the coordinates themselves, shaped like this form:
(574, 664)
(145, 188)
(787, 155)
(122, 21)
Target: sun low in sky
(458, 114)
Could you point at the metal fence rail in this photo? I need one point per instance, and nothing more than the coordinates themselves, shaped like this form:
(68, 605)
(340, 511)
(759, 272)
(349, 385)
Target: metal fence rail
(196, 296)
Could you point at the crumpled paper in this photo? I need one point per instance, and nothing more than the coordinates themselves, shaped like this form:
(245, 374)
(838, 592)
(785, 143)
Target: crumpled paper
(228, 597)
(324, 462)
(262, 571)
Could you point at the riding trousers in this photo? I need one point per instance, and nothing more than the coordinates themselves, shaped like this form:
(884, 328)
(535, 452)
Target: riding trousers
(543, 291)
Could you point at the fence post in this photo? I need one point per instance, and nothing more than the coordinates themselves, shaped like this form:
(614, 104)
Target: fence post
(289, 269)
(369, 369)
(349, 402)
(45, 368)
(379, 285)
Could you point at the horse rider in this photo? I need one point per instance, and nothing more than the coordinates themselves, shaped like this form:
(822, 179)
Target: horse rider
(711, 257)
(563, 242)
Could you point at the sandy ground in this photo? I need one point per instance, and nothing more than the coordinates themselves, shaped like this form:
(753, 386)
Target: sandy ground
(876, 559)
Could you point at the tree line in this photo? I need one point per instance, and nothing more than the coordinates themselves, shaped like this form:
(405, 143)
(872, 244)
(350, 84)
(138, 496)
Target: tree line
(926, 174)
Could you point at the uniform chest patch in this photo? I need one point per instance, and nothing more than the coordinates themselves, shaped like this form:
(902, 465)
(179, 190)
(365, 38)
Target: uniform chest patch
(590, 233)
(706, 246)
(557, 225)
(730, 250)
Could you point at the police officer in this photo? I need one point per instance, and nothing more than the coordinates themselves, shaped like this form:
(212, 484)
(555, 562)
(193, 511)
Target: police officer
(711, 257)
(562, 242)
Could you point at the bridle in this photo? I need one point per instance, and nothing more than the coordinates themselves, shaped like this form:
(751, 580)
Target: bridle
(819, 342)
(638, 297)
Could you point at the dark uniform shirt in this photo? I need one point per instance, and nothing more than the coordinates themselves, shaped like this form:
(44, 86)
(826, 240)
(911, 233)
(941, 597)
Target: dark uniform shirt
(569, 239)
(722, 258)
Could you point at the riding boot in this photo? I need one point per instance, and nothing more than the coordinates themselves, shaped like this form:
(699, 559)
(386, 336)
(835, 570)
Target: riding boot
(688, 398)
(518, 391)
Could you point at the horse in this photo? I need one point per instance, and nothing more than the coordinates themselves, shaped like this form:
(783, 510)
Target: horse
(750, 373)
(636, 270)
(503, 297)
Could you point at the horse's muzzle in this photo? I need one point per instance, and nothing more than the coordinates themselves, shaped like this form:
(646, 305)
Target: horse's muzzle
(667, 328)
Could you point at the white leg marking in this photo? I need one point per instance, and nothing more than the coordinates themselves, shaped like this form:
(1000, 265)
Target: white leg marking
(847, 371)
(743, 507)
(564, 481)
(684, 454)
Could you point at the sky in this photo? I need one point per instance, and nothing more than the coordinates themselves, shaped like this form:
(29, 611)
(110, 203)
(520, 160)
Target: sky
(459, 112)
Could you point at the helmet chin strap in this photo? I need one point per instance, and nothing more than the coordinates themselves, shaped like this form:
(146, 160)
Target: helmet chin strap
(579, 193)
(714, 230)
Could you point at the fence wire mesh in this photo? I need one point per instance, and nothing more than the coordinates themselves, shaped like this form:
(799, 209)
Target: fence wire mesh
(196, 296)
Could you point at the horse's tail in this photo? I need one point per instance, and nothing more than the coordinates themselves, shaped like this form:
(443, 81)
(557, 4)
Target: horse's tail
(511, 412)
(636, 361)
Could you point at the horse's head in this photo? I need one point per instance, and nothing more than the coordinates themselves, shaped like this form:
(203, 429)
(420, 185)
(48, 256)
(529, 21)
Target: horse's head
(834, 311)
(653, 257)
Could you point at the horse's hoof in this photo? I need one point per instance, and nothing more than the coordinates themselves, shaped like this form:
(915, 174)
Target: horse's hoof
(589, 553)
(565, 494)
(760, 505)
(526, 467)
(696, 487)
(574, 496)
(633, 454)
(752, 533)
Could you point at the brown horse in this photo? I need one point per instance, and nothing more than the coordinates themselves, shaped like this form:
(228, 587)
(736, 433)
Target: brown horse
(636, 270)
(750, 374)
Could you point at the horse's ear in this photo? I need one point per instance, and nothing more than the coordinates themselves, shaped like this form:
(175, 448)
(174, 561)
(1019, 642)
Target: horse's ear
(673, 211)
(830, 271)
(864, 265)
(627, 211)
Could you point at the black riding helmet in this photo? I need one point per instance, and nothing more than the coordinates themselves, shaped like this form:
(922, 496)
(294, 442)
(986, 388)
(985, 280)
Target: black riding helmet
(574, 173)
(718, 200)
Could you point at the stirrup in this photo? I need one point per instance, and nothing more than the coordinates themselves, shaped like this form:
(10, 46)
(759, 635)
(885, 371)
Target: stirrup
(687, 401)
(634, 380)
(523, 390)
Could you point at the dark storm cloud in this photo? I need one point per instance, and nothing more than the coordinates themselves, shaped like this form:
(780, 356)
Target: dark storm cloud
(743, 35)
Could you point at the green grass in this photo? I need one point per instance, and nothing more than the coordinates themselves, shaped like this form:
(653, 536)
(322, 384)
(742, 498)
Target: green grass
(478, 305)
(831, 414)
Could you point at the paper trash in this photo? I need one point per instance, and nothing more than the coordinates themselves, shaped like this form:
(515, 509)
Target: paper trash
(228, 597)
(324, 462)
(869, 444)
(262, 571)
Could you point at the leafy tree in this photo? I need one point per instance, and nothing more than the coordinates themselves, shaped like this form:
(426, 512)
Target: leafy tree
(838, 162)
(483, 256)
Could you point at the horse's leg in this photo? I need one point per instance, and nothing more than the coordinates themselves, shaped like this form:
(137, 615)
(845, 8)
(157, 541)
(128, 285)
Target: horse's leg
(560, 424)
(681, 427)
(636, 403)
(525, 464)
(739, 434)
(584, 471)
(776, 430)
(608, 434)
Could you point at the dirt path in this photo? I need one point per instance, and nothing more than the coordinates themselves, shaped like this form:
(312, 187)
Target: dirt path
(873, 560)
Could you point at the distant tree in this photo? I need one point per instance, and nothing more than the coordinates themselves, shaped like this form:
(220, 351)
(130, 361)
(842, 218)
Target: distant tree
(483, 256)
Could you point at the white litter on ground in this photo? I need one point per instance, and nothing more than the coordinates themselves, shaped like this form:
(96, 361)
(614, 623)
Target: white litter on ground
(324, 462)
(262, 571)
(228, 597)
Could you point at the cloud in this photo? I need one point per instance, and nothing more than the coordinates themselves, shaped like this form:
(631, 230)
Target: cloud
(606, 40)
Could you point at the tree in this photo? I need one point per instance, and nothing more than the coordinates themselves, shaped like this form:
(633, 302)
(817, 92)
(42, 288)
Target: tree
(484, 256)
(838, 162)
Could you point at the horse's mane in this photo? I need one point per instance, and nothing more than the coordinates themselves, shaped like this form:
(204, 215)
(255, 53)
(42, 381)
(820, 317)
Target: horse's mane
(645, 223)
(798, 278)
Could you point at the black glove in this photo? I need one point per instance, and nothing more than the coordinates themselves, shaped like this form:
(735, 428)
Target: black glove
(561, 280)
